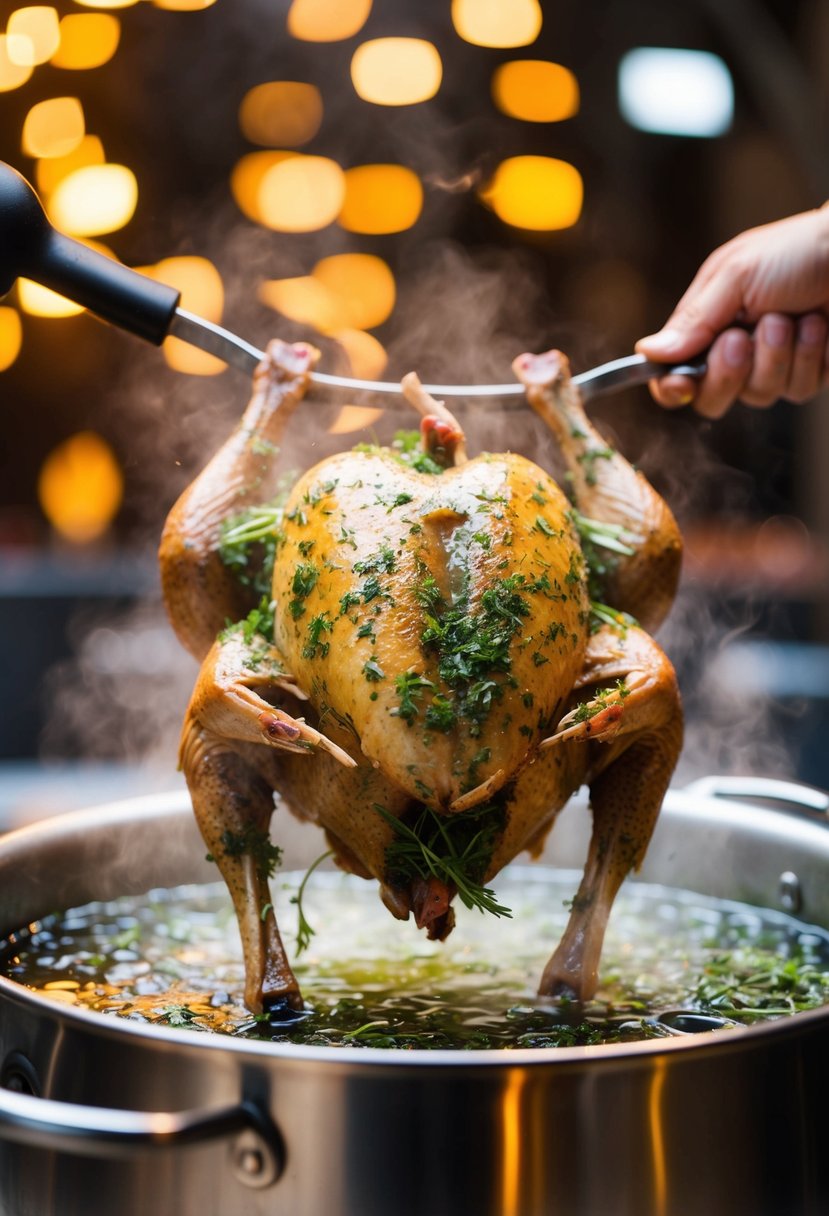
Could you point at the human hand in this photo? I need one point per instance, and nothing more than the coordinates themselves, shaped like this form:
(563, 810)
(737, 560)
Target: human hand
(774, 279)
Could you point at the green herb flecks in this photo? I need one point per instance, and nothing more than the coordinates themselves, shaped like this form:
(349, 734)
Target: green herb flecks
(455, 849)
(304, 581)
(588, 462)
(255, 843)
(249, 540)
(372, 670)
(317, 627)
(258, 622)
(589, 709)
(410, 686)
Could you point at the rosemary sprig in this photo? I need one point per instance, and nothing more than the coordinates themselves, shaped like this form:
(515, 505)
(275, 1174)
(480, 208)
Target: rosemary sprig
(305, 931)
(415, 853)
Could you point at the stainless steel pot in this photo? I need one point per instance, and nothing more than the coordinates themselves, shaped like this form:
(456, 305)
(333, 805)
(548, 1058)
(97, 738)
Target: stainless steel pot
(102, 1115)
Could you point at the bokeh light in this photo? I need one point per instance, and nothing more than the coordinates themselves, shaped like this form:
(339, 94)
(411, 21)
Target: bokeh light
(327, 20)
(49, 172)
(54, 127)
(348, 291)
(106, 3)
(362, 284)
(354, 418)
(184, 6)
(301, 194)
(535, 90)
(396, 71)
(246, 178)
(538, 193)
(202, 292)
(12, 73)
(676, 92)
(281, 113)
(80, 487)
(11, 336)
(497, 23)
(381, 199)
(94, 200)
(34, 34)
(87, 40)
(39, 301)
(366, 355)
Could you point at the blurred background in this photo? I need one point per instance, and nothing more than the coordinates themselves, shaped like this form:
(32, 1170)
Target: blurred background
(434, 186)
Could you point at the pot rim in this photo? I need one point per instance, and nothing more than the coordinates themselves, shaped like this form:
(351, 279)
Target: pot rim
(386, 1058)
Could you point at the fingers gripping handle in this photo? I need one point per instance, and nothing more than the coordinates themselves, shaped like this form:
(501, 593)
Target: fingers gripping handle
(31, 247)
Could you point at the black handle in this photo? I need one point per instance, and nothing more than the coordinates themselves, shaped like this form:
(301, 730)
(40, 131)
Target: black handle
(30, 246)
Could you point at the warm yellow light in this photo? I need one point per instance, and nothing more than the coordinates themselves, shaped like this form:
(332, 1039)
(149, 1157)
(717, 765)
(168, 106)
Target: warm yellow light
(301, 194)
(40, 301)
(396, 71)
(184, 6)
(354, 418)
(95, 199)
(362, 284)
(366, 355)
(302, 299)
(87, 40)
(38, 26)
(535, 90)
(80, 487)
(106, 3)
(202, 292)
(48, 173)
(11, 336)
(327, 20)
(281, 113)
(12, 73)
(380, 199)
(54, 127)
(499, 23)
(349, 291)
(536, 192)
(246, 178)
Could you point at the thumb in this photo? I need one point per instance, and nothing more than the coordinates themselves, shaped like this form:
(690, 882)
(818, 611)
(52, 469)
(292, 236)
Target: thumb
(704, 311)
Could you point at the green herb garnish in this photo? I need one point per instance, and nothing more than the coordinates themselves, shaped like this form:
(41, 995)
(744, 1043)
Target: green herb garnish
(454, 849)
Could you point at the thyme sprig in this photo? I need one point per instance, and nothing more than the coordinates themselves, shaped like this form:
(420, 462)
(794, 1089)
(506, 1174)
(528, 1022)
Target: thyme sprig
(445, 849)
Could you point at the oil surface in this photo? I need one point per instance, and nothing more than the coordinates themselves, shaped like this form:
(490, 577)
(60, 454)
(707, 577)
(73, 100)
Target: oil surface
(674, 963)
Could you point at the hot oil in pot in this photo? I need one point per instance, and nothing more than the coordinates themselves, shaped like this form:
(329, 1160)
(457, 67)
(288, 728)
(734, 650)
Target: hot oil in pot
(674, 963)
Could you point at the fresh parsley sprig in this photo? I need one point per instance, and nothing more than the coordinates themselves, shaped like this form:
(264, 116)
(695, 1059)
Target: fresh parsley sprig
(305, 930)
(429, 849)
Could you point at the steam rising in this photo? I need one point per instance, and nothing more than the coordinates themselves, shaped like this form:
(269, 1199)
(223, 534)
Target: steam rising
(461, 316)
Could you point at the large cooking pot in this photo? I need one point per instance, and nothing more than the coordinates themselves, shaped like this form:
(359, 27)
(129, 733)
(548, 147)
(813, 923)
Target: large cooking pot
(100, 1115)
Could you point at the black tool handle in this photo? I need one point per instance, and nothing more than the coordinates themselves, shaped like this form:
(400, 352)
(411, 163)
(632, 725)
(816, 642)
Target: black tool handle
(31, 247)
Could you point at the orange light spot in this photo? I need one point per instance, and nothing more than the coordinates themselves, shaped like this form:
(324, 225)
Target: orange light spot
(40, 301)
(281, 113)
(538, 193)
(94, 200)
(354, 418)
(381, 199)
(246, 179)
(34, 34)
(349, 291)
(301, 194)
(80, 487)
(396, 71)
(11, 336)
(54, 127)
(327, 20)
(202, 292)
(535, 90)
(87, 40)
(497, 23)
(366, 356)
(12, 73)
(49, 172)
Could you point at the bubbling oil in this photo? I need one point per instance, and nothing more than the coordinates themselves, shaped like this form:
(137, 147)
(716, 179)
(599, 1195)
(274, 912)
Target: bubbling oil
(674, 963)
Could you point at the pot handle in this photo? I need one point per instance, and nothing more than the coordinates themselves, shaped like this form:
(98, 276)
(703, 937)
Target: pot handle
(761, 789)
(257, 1154)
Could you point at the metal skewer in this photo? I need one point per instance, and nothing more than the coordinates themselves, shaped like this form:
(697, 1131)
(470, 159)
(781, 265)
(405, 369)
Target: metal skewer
(31, 247)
